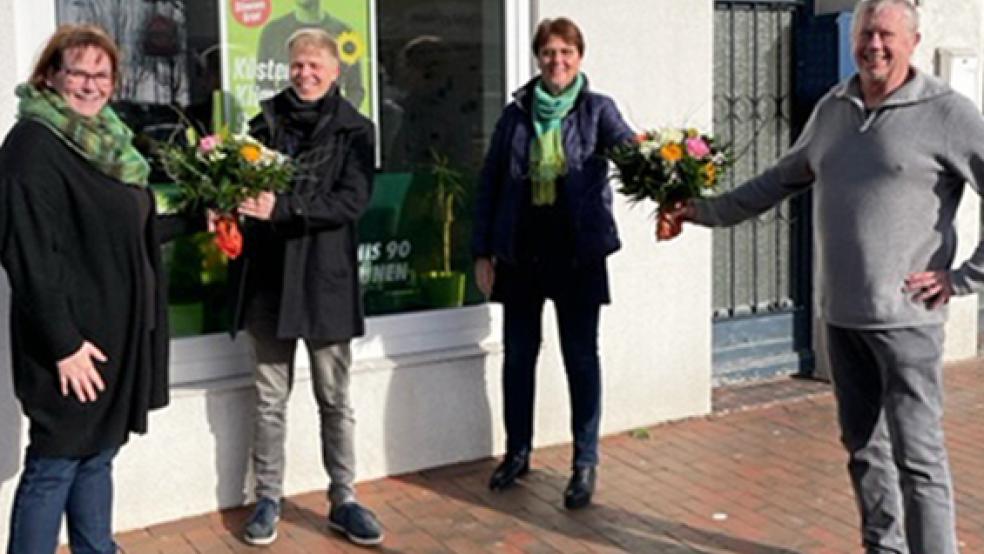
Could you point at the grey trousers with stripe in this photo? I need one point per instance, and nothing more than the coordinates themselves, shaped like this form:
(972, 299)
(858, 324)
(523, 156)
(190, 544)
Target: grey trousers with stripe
(274, 379)
(889, 390)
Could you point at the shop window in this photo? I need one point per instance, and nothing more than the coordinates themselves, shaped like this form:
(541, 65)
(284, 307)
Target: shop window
(441, 82)
(432, 78)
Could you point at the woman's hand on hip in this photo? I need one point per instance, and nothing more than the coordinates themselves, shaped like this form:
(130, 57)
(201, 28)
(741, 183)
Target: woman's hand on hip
(78, 373)
(485, 275)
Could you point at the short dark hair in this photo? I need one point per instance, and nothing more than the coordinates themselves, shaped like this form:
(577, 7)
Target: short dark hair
(68, 37)
(561, 27)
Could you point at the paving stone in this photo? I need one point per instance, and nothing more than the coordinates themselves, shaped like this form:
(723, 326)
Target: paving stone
(764, 473)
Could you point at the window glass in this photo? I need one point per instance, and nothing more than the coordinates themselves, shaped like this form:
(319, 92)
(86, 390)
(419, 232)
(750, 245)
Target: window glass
(432, 78)
(441, 82)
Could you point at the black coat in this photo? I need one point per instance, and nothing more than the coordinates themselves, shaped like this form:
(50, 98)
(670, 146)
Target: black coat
(313, 224)
(72, 243)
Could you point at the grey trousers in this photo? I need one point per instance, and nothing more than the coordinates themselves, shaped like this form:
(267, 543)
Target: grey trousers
(274, 378)
(889, 392)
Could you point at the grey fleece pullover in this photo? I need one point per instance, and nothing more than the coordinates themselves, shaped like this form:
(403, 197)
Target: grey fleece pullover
(886, 188)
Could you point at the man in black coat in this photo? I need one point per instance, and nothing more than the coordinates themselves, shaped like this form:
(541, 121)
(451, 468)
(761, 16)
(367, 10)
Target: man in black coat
(298, 279)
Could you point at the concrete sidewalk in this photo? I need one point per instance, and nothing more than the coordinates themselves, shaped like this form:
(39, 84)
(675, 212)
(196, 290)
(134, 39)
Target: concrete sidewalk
(764, 474)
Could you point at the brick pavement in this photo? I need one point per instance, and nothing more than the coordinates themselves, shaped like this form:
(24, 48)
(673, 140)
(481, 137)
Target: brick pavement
(762, 479)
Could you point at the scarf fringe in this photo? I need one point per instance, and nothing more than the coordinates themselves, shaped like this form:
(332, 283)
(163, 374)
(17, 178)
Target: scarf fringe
(548, 161)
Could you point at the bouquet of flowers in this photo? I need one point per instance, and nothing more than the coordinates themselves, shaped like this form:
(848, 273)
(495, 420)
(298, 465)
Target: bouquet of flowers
(668, 166)
(218, 172)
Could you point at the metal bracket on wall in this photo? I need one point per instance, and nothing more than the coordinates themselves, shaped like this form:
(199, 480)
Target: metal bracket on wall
(960, 68)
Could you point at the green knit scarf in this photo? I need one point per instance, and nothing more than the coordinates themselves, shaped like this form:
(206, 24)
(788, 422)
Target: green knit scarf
(547, 158)
(104, 139)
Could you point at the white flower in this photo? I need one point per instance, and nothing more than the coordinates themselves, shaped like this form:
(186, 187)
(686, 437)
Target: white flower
(216, 155)
(669, 135)
(649, 148)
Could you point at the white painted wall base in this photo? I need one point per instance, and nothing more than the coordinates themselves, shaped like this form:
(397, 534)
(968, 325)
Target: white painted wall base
(426, 411)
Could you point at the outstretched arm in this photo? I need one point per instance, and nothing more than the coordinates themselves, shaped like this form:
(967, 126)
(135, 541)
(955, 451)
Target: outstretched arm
(791, 175)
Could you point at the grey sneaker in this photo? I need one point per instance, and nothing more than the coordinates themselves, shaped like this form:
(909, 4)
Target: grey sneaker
(357, 523)
(261, 527)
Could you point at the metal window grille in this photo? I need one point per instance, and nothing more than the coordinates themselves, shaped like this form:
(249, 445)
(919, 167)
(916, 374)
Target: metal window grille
(754, 263)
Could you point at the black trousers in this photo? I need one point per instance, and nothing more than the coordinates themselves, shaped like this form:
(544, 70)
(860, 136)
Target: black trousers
(577, 320)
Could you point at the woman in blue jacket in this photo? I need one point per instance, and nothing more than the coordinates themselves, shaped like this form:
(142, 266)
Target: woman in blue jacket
(543, 229)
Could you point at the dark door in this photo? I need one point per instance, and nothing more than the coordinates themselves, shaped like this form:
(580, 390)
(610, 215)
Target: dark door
(762, 270)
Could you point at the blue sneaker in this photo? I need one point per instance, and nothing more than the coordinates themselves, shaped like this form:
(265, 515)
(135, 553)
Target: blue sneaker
(261, 527)
(357, 523)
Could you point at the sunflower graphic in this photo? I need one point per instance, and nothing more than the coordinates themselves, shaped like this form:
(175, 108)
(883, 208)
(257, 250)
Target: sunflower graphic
(351, 47)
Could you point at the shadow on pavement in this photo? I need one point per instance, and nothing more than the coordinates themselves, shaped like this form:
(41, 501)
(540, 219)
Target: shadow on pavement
(536, 502)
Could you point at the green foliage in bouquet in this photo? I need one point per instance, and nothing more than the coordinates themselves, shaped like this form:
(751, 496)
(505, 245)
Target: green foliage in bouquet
(668, 165)
(221, 170)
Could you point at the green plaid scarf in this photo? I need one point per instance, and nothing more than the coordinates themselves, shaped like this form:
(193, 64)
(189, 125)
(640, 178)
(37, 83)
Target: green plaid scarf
(104, 140)
(547, 158)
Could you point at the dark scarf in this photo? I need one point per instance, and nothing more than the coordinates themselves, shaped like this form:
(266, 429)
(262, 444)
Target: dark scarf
(301, 118)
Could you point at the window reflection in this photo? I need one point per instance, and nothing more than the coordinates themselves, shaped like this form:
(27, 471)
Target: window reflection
(441, 81)
(440, 90)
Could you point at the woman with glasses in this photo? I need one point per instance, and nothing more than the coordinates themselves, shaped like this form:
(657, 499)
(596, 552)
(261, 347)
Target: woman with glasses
(89, 335)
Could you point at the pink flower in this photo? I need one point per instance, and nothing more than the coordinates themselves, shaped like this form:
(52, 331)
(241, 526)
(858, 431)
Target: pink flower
(208, 143)
(697, 148)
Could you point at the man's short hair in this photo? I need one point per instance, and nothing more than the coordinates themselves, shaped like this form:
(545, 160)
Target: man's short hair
(870, 6)
(313, 37)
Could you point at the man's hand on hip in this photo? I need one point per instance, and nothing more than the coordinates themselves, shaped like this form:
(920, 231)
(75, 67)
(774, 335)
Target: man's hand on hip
(932, 287)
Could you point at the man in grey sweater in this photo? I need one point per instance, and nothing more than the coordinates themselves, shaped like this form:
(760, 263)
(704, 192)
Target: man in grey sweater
(887, 154)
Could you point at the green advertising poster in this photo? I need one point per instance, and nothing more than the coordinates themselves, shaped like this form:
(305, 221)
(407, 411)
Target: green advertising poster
(255, 33)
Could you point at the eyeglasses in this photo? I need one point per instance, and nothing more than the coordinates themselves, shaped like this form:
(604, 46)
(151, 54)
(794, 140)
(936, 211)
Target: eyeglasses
(77, 77)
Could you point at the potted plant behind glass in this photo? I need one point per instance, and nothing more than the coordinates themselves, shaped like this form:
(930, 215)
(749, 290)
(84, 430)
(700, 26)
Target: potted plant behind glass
(444, 287)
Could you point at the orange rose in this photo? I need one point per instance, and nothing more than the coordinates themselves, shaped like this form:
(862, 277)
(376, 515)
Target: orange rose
(710, 173)
(250, 152)
(671, 152)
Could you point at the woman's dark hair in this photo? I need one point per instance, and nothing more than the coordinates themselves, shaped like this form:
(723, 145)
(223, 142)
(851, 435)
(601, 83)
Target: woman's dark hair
(561, 27)
(66, 38)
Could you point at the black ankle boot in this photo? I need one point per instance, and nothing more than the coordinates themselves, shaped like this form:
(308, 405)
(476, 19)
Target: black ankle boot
(512, 466)
(580, 488)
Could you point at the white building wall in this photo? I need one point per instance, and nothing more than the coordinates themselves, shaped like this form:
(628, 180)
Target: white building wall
(956, 25)
(421, 401)
(8, 63)
(17, 47)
